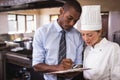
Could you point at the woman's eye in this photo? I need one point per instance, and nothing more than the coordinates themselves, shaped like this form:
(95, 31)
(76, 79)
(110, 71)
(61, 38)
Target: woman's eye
(90, 35)
(83, 34)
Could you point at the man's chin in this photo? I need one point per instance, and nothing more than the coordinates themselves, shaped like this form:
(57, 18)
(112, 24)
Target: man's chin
(66, 28)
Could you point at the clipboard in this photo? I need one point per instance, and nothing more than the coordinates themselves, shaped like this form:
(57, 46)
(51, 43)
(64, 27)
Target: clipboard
(69, 71)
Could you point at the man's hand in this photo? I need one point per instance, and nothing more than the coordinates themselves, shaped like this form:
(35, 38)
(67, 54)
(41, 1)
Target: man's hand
(67, 63)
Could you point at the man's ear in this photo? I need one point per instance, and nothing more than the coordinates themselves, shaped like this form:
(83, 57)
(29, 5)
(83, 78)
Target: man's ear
(61, 10)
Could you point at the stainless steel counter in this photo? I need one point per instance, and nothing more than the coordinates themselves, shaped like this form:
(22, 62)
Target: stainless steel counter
(18, 59)
(2, 65)
(8, 57)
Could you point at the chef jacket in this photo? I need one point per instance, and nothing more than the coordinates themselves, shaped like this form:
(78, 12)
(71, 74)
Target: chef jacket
(103, 61)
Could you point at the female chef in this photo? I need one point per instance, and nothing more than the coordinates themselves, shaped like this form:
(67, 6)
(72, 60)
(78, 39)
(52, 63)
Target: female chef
(100, 55)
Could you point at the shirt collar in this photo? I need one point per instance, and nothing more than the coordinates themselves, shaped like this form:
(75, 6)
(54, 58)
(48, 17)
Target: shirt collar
(57, 26)
(103, 41)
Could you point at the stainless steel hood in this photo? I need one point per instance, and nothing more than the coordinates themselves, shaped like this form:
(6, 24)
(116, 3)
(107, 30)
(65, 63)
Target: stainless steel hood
(10, 5)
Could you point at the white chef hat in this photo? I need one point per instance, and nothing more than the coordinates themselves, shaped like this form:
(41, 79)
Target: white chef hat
(91, 18)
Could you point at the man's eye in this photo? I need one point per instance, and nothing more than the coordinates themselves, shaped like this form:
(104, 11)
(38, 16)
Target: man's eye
(69, 18)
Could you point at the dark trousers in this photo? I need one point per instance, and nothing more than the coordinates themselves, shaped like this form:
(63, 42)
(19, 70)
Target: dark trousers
(79, 77)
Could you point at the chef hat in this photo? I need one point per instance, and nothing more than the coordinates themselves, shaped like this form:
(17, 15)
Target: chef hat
(91, 18)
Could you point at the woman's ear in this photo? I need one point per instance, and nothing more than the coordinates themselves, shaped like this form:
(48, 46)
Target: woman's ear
(101, 33)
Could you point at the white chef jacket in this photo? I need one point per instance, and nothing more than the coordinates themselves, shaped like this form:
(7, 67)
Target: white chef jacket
(104, 61)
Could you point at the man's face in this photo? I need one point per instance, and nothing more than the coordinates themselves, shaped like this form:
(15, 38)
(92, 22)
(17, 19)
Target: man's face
(69, 18)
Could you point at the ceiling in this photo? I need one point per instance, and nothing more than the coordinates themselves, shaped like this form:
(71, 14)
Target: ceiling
(10, 5)
(13, 5)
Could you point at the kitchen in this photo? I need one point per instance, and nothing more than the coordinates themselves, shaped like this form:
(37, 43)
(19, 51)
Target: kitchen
(42, 16)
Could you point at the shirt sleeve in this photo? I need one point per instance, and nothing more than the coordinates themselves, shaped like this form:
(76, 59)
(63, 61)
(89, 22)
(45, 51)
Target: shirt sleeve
(38, 48)
(115, 63)
(79, 53)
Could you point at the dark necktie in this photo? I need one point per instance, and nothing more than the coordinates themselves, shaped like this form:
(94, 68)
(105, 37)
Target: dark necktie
(62, 51)
(62, 47)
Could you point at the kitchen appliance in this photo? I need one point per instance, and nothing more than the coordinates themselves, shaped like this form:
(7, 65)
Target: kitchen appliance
(2, 44)
(28, 45)
(19, 66)
(116, 37)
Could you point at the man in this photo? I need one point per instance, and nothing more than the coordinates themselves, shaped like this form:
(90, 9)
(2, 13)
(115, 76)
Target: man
(47, 39)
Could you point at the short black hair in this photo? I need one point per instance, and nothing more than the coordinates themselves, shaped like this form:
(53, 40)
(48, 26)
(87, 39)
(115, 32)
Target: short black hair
(73, 3)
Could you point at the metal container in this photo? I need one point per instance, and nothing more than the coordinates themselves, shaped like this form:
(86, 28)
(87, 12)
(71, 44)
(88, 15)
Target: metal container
(28, 45)
(116, 37)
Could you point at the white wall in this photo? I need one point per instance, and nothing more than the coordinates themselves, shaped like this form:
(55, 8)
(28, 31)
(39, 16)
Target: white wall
(37, 20)
(44, 19)
(114, 23)
(3, 23)
(44, 15)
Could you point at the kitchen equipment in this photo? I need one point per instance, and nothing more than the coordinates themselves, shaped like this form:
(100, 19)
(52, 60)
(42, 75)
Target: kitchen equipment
(28, 45)
(2, 44)
(21, 43)
(11, 44)
(116, 37)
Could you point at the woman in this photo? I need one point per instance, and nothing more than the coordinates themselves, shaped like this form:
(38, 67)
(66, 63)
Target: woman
(100, 55)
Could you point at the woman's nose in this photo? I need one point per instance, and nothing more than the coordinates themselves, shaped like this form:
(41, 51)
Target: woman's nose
(85, 38)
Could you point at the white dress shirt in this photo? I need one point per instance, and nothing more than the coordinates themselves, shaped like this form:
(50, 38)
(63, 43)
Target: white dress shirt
(46, 46)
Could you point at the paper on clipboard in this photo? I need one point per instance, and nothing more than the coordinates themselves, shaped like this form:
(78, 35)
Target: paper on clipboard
(69, 71)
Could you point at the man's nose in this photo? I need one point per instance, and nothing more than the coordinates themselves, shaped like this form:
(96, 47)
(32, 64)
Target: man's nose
(72, 23)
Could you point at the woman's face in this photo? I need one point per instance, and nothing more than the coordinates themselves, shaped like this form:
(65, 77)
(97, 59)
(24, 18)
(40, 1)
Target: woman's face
(68, 18)
(91, 37)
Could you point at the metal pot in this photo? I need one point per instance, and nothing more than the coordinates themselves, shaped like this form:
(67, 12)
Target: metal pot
(21, 43)
(28, 45)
